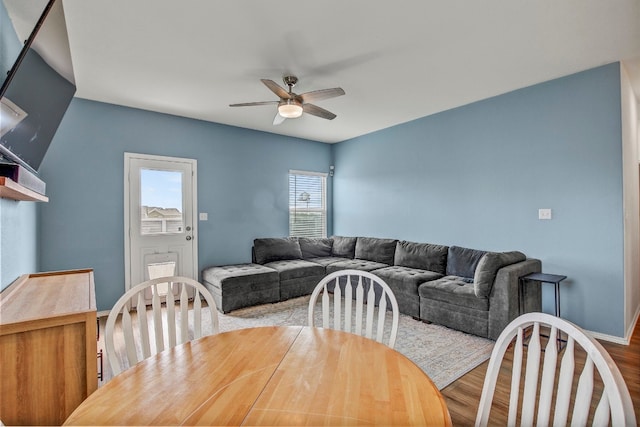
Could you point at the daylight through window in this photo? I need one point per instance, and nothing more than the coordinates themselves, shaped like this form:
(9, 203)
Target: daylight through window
(307, 204)
(160, 202)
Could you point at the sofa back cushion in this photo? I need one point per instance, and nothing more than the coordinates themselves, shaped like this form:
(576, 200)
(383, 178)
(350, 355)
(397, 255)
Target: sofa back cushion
(344, 247)
(315, 248)
(423, 256)
(377, 250)
(462, 262)
(488, 267)
(276, 249)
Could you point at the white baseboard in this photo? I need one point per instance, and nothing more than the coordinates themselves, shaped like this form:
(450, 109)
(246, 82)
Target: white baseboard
(633, 324)
(609, 338)
(618, 340)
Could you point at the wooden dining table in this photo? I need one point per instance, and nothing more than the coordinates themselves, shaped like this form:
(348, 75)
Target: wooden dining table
(275, 375)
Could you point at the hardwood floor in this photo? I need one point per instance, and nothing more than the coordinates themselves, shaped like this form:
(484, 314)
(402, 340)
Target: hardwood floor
(463, 395)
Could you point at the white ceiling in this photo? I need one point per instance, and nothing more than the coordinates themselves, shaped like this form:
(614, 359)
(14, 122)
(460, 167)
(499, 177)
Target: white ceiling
(397, 61)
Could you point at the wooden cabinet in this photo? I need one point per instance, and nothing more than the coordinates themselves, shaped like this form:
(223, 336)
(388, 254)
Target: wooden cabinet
(47, 346)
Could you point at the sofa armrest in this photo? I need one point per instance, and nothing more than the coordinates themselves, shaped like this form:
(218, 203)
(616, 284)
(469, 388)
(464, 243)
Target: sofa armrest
(503, 300)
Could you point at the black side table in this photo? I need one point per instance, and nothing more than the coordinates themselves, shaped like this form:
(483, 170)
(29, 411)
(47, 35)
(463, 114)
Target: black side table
(543, 278)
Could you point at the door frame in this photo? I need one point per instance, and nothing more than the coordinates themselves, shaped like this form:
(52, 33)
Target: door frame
(127, 224)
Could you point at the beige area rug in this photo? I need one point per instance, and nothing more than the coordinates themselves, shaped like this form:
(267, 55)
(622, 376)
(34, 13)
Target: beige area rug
(443, 353)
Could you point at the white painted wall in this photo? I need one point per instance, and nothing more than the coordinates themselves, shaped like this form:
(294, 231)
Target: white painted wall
(631, 194)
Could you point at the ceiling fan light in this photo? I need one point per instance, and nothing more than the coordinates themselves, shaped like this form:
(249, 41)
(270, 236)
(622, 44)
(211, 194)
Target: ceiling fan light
(290, 109)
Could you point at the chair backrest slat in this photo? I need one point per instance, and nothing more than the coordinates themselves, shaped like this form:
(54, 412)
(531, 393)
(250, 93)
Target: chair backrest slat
(337, 300)
(602, 415)
(359, 304)
(371, 302)
(515, 378)
(171, 314)
(348, 321)
(348, 303)
(382, 313)
(143, 325)
(548, 378)
(156, 307)
(614, 406)
(325, 308)
(129, 342)
(197, 316)
(531, 377)
(184, 313)
(583, 395)
(565, 381)
(178, 287)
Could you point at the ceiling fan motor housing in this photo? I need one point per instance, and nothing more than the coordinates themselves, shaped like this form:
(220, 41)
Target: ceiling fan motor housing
(290, 81)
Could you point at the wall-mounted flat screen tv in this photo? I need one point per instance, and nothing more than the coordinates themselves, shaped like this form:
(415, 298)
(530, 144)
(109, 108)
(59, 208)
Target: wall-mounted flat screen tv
(38, 88)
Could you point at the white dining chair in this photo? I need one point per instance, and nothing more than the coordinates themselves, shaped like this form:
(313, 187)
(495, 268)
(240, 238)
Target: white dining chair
(169, 299)
(352, 311)
(539, 391)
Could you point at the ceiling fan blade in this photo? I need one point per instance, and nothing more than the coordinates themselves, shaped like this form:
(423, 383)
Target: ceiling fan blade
(278, 119)
(317, 95)
(276, 88)
(251, 104)
(317, 111)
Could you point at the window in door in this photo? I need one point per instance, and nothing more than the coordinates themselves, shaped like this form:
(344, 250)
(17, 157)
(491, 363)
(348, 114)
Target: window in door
(161, 202)
(307, 204)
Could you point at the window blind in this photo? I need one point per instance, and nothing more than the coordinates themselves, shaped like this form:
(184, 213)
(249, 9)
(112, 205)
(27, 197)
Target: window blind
(307, 204)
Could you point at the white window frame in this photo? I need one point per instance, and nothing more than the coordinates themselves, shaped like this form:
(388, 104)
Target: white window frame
(300, 207)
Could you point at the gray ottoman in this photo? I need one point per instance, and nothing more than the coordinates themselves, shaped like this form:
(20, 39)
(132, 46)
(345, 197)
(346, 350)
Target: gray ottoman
(241, 285)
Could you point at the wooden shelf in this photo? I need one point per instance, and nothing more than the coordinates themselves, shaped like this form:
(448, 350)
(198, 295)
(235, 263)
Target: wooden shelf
(9, 189)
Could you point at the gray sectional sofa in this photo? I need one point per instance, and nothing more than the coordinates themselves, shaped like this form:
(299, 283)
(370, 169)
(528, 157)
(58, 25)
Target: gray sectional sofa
(466, 289)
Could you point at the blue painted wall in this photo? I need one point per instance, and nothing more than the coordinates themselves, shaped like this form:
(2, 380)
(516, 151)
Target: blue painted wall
(18, 240)
(18, 228)
(242, 185)
(473, 176)
(476, 176)
(10, 44)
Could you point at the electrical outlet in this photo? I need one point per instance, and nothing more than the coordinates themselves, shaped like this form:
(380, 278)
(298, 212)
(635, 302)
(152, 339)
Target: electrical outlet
(204, 216)
(544, 213)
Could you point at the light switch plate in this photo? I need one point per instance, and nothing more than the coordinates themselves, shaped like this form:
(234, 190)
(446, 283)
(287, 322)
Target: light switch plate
(544, 213)
(204, 216)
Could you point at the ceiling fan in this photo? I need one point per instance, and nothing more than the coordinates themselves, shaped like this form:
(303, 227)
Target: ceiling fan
(291, 105)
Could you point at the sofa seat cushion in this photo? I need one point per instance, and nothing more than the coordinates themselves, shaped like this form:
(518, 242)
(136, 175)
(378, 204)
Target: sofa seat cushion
(355, 264)
(296, 268)
(275, 249)
(423, 256)
(453, 290)
(326, 260)
(375, 249)
(405, 279)
(237, 275)
(463, 261)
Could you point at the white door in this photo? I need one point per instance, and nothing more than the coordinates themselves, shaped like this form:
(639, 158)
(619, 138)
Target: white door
(160, 226)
